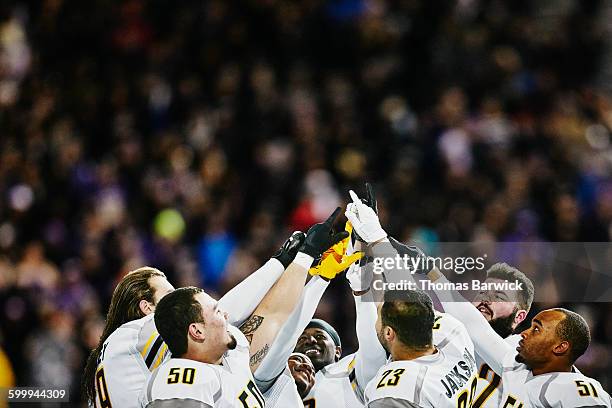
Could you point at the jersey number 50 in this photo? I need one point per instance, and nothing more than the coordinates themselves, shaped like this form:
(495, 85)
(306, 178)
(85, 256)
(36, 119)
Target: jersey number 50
(174, 375)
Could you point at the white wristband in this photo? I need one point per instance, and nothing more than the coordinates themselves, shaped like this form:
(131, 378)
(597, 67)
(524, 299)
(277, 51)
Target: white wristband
(303, 260)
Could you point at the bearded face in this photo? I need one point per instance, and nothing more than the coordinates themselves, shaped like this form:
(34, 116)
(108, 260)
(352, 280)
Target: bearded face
(499, 308)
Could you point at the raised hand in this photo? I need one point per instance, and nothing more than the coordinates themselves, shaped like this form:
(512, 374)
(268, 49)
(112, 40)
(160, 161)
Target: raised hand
(412, 251)
(364, 219)
(335, 260)
(320, 237)
(286, 253)
(370, 201)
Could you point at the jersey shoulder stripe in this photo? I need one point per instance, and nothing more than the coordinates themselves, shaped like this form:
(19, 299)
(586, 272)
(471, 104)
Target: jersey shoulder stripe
(148, 342)
(155, 348)
(144, 349)
(161, 356)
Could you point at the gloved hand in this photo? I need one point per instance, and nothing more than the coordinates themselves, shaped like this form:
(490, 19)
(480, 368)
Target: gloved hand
(359, 278)
(287, 252)
(412, 251)
(335, 260)
(320, 237)
(370, 201)
(364, 220)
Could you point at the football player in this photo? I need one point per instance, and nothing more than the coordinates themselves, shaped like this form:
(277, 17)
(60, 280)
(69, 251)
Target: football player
(419, 374)
(129, 345)
(539, 372)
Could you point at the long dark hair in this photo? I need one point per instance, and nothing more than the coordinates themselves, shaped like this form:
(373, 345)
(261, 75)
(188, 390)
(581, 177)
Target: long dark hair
(124, 308)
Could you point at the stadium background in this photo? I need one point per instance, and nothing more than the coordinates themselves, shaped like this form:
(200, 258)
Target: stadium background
(194, 136)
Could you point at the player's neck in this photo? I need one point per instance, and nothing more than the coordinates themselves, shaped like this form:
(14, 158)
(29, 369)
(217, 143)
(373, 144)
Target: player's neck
(552, 367)
(201, 356)
(401, 352)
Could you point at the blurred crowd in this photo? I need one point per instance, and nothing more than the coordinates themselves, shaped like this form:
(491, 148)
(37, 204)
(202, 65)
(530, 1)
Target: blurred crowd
(194, 136)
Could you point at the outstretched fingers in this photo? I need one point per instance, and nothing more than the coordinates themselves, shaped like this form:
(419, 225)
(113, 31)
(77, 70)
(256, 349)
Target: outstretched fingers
(371, 197)
(330, 221)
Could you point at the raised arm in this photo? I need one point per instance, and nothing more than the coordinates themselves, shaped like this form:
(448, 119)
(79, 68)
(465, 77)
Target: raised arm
(240, 302)
(270, 315)
(275, 361)
(333, 261)
(490, 345)
(371, 355)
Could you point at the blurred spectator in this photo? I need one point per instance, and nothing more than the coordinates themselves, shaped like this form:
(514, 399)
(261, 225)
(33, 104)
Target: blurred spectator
(54, 352)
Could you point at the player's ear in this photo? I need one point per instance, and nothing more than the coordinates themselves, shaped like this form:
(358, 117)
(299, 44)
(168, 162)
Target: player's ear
(389, 333)
(561, 348)
(338, 352)
(146, 307)
(521, 315)
(196, 332)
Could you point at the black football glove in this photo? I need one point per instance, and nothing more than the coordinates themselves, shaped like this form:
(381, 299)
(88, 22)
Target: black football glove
(290, 248)
(321, 237)
(370, 201)
(412, 251)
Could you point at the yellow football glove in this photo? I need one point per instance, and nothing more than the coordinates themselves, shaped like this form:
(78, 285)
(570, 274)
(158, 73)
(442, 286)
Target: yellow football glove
(335, 260)
(348, 227)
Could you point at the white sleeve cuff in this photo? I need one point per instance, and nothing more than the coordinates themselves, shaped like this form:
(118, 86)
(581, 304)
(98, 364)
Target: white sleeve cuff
(303, 260)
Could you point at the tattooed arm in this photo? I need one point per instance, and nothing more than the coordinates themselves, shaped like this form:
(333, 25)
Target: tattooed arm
(264, 324)
(275, 308)
(284, 343)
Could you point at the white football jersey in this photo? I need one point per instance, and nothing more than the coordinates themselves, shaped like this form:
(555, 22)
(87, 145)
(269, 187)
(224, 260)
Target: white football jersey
(128, 356)
(553, 390)
(489, 389)
(450, 332)
(446, 379)
(283, 393)
(187, 383)
(335, 386)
